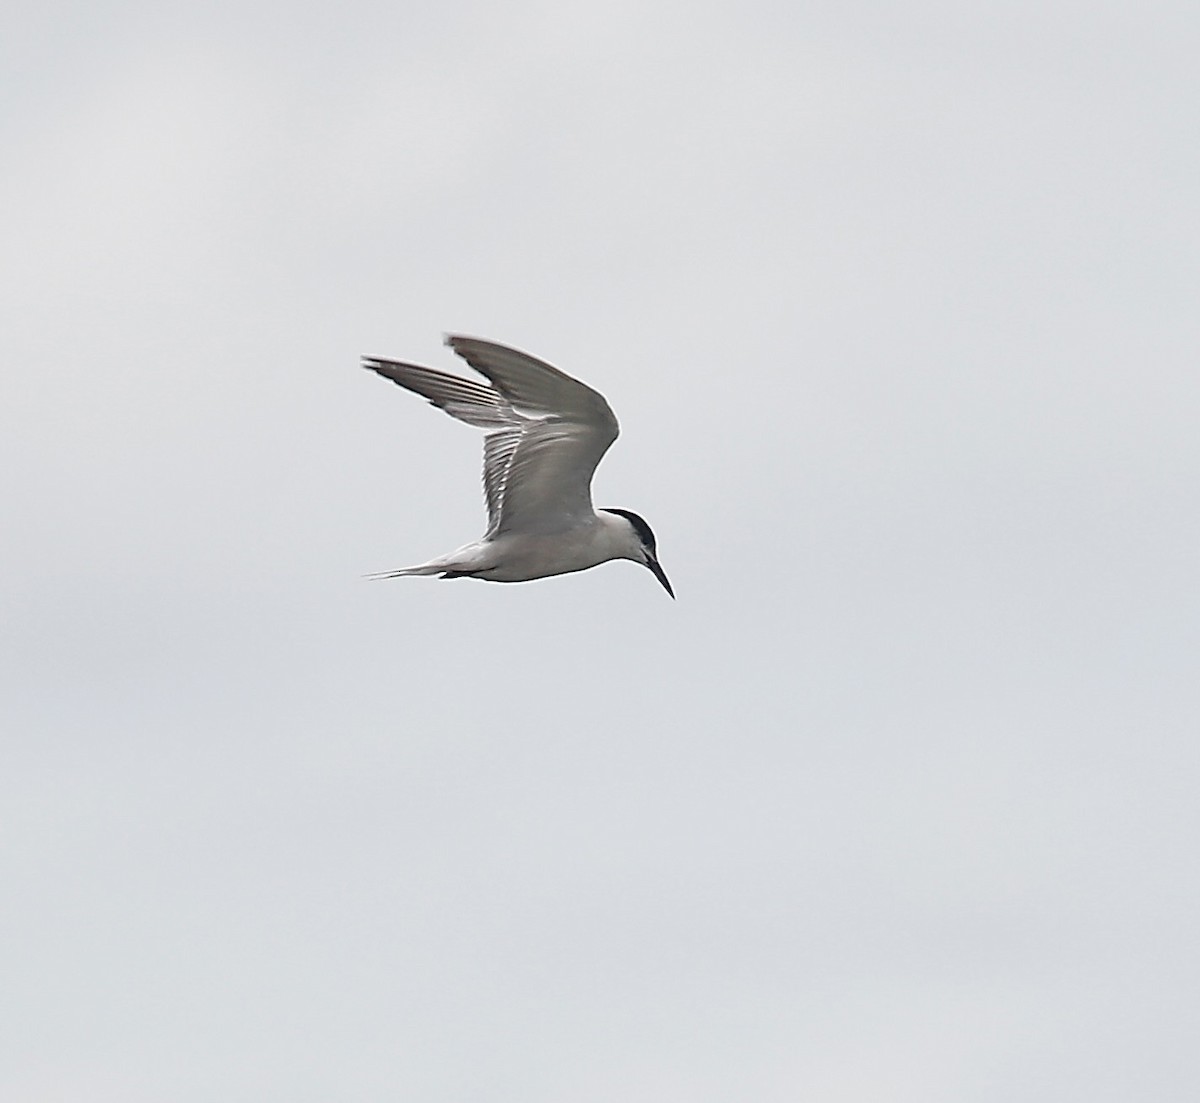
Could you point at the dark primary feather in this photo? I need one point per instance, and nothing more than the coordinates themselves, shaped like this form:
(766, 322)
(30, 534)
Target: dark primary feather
(531, 384)
(464, 399)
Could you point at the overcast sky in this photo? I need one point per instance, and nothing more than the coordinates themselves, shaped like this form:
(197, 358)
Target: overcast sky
(897, 306)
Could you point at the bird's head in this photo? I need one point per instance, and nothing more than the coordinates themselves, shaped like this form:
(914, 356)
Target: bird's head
(638, 543)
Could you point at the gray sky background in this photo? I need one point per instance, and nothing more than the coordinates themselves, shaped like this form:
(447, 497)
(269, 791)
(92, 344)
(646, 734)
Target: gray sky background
(897, 306)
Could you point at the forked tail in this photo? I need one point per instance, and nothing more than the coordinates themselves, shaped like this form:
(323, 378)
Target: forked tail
(443, 570)
(425, 569)
(464, 563)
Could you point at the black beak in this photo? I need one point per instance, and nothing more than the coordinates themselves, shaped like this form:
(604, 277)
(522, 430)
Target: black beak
(661, 575)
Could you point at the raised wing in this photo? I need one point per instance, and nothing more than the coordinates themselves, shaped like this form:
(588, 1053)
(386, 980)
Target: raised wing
(461, 398)
(474, 403)
(546, 431)
(569, 427)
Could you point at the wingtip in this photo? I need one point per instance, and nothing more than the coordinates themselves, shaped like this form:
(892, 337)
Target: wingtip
(453, 340)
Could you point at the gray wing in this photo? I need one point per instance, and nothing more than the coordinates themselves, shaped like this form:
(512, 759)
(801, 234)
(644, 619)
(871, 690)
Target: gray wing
(546, 431)
(567, 428)
(468, 401)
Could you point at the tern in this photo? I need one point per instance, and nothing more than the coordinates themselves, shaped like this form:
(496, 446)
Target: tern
(545, 435)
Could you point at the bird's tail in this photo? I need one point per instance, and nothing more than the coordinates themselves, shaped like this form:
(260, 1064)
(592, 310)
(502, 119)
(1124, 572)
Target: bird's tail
(425, 569)
(464, 563)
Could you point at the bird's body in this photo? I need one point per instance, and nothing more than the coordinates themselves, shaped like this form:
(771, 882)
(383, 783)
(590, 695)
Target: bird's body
(546, 432)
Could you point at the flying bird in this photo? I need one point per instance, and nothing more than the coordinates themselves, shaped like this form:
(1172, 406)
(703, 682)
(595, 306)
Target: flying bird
(545, 434)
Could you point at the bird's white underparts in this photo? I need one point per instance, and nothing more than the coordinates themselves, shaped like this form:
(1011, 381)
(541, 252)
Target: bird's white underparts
(544, 435)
